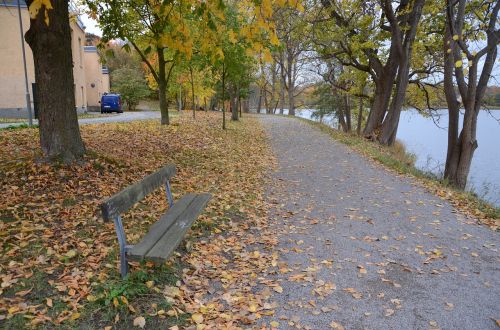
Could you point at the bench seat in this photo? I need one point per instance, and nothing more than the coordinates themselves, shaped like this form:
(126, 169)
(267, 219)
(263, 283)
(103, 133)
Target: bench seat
(165, 235)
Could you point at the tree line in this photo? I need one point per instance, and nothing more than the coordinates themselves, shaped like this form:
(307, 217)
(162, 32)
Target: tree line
(388, 55)
(374, 58)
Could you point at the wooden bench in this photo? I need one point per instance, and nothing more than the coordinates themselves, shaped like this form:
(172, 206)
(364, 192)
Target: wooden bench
(164, 235)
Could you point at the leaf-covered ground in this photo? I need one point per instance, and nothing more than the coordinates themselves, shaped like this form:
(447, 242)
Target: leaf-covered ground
(58, 260)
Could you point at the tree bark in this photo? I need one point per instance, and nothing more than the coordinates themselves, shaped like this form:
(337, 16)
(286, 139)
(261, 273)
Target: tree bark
(360, 116)
(347, 113)
(192, 91)
(461, 146)
(162, 87)
(51, 45)
(223, 100)
(234, 103)
(382, 96)
(259, 103)
(391, 122)
(291, 85)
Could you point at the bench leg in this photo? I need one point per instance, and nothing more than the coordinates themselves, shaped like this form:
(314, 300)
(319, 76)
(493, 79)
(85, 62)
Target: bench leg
(122, 241)
(170, 198)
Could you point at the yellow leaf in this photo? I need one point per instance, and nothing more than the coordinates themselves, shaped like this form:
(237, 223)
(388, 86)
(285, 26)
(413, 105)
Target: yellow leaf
(71, 254)
(91, 298)
(197, 318)
(267, 56)
(458, 64)
(455, 37)
(232, 37)
(274, 39)
(124, 300)
(74, 316)
(115, 302)
(150, 284)
(275, 324)
(139, 322)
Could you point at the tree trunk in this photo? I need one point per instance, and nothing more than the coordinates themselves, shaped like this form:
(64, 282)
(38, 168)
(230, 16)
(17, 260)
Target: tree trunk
(223, 100)
(282, 96)
(391, 122)
(51, 46)
(461, 148)
(383, 89)
(192, 91)
(291, 85)
(239, 104)
(259, 103)
(266, 103)
(360, 116)
(234, 103)
(162, 87)
(347, 112)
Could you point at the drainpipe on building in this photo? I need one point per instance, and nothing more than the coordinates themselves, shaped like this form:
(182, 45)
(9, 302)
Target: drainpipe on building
(28, 100)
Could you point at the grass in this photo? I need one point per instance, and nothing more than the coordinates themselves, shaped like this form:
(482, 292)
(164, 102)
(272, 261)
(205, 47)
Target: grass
(397, 158)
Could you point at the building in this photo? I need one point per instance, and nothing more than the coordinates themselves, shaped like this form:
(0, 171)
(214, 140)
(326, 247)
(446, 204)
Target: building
(12, 84)
(96, 78)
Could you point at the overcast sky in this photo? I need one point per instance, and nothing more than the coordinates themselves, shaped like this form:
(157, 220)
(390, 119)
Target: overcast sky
(90, 25)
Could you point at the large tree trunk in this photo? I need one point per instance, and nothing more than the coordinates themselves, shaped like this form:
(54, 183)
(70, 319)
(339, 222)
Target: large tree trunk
(162, 87)
(390, 125)
(51, 46)
(383, 89)
(461, 146)
(391, 122)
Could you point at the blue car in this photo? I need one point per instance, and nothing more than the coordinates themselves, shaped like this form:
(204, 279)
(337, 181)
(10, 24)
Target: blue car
(111, 103)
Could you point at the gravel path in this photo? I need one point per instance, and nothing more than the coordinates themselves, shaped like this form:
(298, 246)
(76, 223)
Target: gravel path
(363, 248)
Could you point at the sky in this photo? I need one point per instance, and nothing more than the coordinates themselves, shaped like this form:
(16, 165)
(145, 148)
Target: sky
(90, 25)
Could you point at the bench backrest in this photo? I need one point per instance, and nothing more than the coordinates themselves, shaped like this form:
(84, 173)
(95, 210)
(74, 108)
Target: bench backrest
(125, 199)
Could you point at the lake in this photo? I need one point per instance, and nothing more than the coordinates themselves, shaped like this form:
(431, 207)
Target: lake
(427, 139)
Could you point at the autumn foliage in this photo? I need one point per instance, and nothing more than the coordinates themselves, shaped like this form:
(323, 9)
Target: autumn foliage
(58, 262)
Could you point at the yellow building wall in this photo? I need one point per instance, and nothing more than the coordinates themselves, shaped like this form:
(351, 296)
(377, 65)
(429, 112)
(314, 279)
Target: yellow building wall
(97, 82)
(12, 85)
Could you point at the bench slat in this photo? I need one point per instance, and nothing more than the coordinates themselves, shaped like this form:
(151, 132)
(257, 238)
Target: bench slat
(125, 199)
(158, 229)
(171, 239)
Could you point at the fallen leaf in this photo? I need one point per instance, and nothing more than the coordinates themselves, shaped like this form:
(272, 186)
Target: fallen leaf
(140, 322)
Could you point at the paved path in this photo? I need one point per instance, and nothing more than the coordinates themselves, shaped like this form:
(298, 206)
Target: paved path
(364, 248)
(112, 118)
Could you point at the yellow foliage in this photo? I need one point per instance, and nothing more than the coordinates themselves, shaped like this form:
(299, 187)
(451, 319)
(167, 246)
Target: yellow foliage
(267, 56)
(35, 7)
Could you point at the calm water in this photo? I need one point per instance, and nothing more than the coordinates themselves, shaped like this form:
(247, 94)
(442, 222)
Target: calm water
(427, 139)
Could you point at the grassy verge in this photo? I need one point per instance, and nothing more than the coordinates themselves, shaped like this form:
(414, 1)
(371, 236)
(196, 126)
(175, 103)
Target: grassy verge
(398, 159)
(59, 260)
